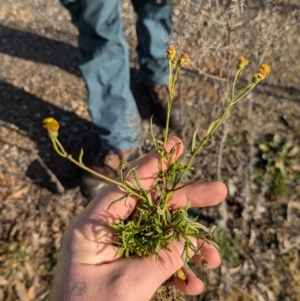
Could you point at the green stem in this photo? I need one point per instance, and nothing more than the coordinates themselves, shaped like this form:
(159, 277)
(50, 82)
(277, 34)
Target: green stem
(59, 149)
(56, 145)
(169, 104)
(172, 82)
(234, 82)
(170, 78)
(95, 173)
(112, 181)
(195, 152)
(206, 138)
(175, 77)
(233, 101)
(242, 92)
(250, 87)
(168, 196)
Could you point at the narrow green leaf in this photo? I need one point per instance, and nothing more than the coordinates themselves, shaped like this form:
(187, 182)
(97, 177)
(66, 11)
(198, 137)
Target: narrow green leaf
(118, 253)
(131, 187)
(152, 134)
(80, 156)
(183, 186)
(128, 173)
(114, 226)
(149, 233)
(117, 200)
(137, 179)
(212, 127)
(194, 141)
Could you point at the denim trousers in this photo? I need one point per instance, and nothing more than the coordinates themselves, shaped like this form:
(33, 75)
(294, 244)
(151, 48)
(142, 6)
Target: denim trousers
(105, 62)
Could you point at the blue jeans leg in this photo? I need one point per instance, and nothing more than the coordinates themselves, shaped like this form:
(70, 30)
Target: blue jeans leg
(105, 68)
(154, 27)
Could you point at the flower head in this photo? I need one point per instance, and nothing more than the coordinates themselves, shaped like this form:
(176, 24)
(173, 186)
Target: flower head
(52, 126)
(184, 59)
(264, 70)
(174, 61)
(242, 62)
(171, 52)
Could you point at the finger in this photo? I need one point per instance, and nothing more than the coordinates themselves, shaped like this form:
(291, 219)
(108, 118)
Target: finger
(155, 272)
(200, 195)
(209, 254)
(147, 170)
(171, 261)
(192, 285)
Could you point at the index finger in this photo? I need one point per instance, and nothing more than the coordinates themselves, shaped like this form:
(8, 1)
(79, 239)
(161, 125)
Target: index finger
(202, 194)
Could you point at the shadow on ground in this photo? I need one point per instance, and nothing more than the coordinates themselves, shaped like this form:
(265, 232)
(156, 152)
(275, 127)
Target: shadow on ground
(27, 112)
(33, 47)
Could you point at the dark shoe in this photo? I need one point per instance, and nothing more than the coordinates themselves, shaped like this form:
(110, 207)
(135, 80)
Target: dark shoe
(160, 96)
(106, 163)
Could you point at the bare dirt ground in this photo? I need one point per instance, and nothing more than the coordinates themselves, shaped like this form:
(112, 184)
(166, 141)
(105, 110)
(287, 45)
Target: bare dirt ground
(258, 224)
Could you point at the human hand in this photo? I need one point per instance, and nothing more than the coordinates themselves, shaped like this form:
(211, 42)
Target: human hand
(86, 269)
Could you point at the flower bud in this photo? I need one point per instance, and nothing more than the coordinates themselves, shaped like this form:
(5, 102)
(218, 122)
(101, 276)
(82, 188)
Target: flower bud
(52, 126)
(242, 62)
(171, 52)
(174, 61)
(183, 59)
(256, 79)
(264, 70)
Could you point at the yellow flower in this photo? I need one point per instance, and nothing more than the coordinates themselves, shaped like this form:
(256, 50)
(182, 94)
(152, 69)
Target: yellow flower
(180, 274)
(52, 126)
(262, 74)
(266, 68)
(242, 62)
(171, 52)
(184, 59)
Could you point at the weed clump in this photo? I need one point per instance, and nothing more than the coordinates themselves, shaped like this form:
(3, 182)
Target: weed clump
(279, 159)
(154, 224)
